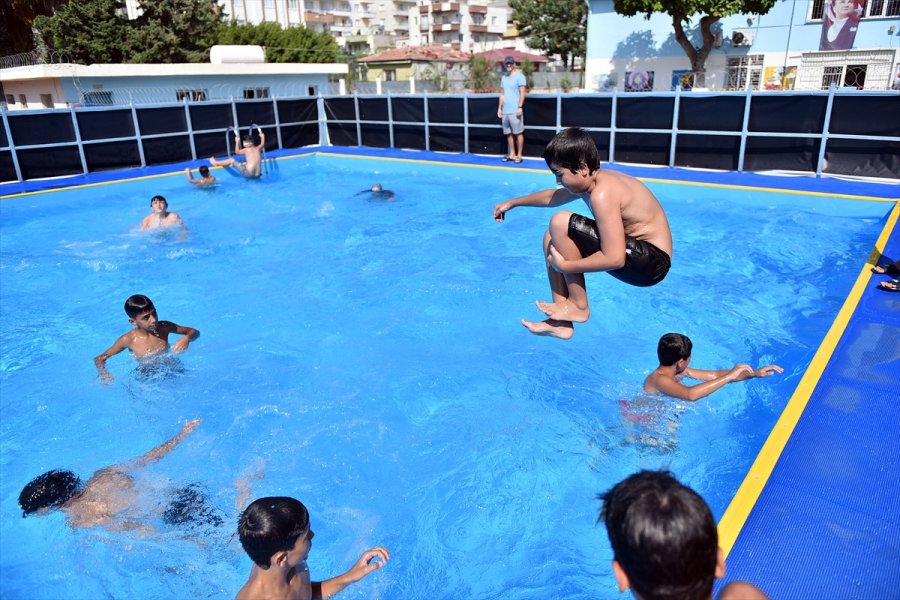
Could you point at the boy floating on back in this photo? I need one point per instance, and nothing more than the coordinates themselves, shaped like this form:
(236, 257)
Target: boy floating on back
(276, 534)
(149, 337)
(674, 352)
(252, 153)
(629, 236)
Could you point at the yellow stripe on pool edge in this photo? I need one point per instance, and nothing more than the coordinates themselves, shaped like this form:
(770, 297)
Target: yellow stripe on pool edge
(748, 493)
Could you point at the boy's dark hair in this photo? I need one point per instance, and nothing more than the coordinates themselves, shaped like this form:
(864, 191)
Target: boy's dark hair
(572, 148)
(137, 305)
(204, 170)
(672, 348)
(49, 490)
(663, 536)
(160, 198)
(270, 525)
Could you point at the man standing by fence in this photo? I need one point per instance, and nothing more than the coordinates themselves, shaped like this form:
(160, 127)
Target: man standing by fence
(509, 111)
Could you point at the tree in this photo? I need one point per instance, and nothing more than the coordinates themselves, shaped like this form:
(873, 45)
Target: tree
(482, 76)
(553, 26)
(681, 11)
(174, 31)
(294, 44)
(16, 21)
(89, 31)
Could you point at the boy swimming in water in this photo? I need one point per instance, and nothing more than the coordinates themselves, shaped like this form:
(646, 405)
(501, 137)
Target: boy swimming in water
(629, 236)
(252, 153)
(161, 217)
(149, 337)
(674, 352)
(276, 534)
(205, 180)
(110, 497)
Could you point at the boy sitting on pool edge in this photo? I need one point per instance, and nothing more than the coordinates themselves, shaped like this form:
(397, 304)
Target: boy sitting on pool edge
(149, 337)
(276, 534)
(629, 236)
(674, 353)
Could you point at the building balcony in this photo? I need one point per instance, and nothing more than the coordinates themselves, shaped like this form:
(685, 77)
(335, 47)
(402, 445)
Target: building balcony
(440, 7)
(478, 28)
(314, 17)
(438, 27)
(477, 10)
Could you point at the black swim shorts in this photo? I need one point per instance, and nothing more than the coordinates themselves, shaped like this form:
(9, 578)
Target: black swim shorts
(645, 264)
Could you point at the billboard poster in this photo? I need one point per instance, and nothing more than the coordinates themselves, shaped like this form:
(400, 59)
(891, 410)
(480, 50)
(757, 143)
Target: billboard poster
(839, 23)
(639, 81)
(775, 78)
(606, 83)
(683, 79)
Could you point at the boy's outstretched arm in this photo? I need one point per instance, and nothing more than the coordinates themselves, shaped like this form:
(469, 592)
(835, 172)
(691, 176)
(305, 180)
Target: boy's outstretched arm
(766, 371)
(544, 198)
(371, 560)
(100, 360)
(166, 447)
(671, 387)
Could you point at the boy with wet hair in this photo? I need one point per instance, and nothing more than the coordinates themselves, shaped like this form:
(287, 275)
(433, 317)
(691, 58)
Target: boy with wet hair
(252, 153)
(205, 180)
(161, 217)
(674, 353)
(664, 540)
(276, 534)
(109, 497)
(150, 336)
(628, 237)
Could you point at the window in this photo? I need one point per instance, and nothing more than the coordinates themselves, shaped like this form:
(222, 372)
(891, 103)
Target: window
(390, 74)
(10, 99)
(831, 75)
(23, 100)
(855, 76)
(817, 10)
(96, 98)
(47, 100)
(883, 8)
(260, 92)
(744, 72)
(193, 95)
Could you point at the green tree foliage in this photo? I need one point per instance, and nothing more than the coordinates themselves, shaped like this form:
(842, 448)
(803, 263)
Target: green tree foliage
(482, 75)
(527, 68)
(553, 26)
(88, 31)
(16, 20)
(681, 12)
(294, 44)
(174, 31)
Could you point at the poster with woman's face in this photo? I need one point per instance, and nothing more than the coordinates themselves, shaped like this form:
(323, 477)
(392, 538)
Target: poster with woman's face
(839, 23)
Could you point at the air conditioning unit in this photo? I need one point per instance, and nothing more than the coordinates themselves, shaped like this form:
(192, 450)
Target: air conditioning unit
(742, 37)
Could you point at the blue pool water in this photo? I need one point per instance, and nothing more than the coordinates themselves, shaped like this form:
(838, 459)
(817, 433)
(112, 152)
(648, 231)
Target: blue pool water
(367, 358)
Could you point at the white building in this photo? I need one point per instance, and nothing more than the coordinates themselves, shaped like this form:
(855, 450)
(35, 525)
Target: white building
(466, 25)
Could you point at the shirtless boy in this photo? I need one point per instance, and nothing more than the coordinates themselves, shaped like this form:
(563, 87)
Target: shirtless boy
(629, 236)
(109, 499)
(205, 179)
(674, 352)
(161, 217)
(252, 153)
(149, 337)
(276, 534)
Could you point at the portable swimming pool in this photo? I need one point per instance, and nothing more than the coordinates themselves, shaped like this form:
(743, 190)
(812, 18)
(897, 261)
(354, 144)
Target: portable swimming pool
(366, 357)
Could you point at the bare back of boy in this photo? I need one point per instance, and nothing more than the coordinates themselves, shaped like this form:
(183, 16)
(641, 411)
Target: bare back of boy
(297, 587)
(107, 501)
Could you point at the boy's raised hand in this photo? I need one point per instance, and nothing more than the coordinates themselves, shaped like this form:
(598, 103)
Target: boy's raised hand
(371, 560)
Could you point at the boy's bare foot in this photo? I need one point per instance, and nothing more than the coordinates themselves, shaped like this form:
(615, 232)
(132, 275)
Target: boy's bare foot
(558, 329)
(564, 311)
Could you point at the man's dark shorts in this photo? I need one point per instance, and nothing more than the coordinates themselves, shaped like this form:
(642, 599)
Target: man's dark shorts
(645, 264)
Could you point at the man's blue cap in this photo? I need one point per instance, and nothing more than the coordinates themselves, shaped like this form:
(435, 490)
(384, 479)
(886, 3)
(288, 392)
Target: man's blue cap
(509, 60)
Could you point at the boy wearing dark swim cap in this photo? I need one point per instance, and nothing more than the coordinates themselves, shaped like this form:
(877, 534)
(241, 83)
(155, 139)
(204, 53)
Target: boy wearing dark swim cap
(674, 352)
(628, 237)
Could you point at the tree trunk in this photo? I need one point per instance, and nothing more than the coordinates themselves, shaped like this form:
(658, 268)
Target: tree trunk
(697, 56)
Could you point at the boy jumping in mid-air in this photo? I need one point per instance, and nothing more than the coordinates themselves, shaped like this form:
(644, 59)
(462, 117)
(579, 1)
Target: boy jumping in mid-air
(629, 236)
(205, 180)
(276, 534)
(252, 153)
(149, 337)
(664, 541)
(674, 352)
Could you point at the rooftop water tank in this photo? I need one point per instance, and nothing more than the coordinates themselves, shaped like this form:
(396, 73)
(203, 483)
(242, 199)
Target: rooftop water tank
(219, 55)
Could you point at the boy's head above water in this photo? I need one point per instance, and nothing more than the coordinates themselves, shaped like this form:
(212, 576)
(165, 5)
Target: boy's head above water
(572, 148)
(137, 305)
(672, 348)
(50, 490)
(274, 525)
(204, 170)
(159, 203)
